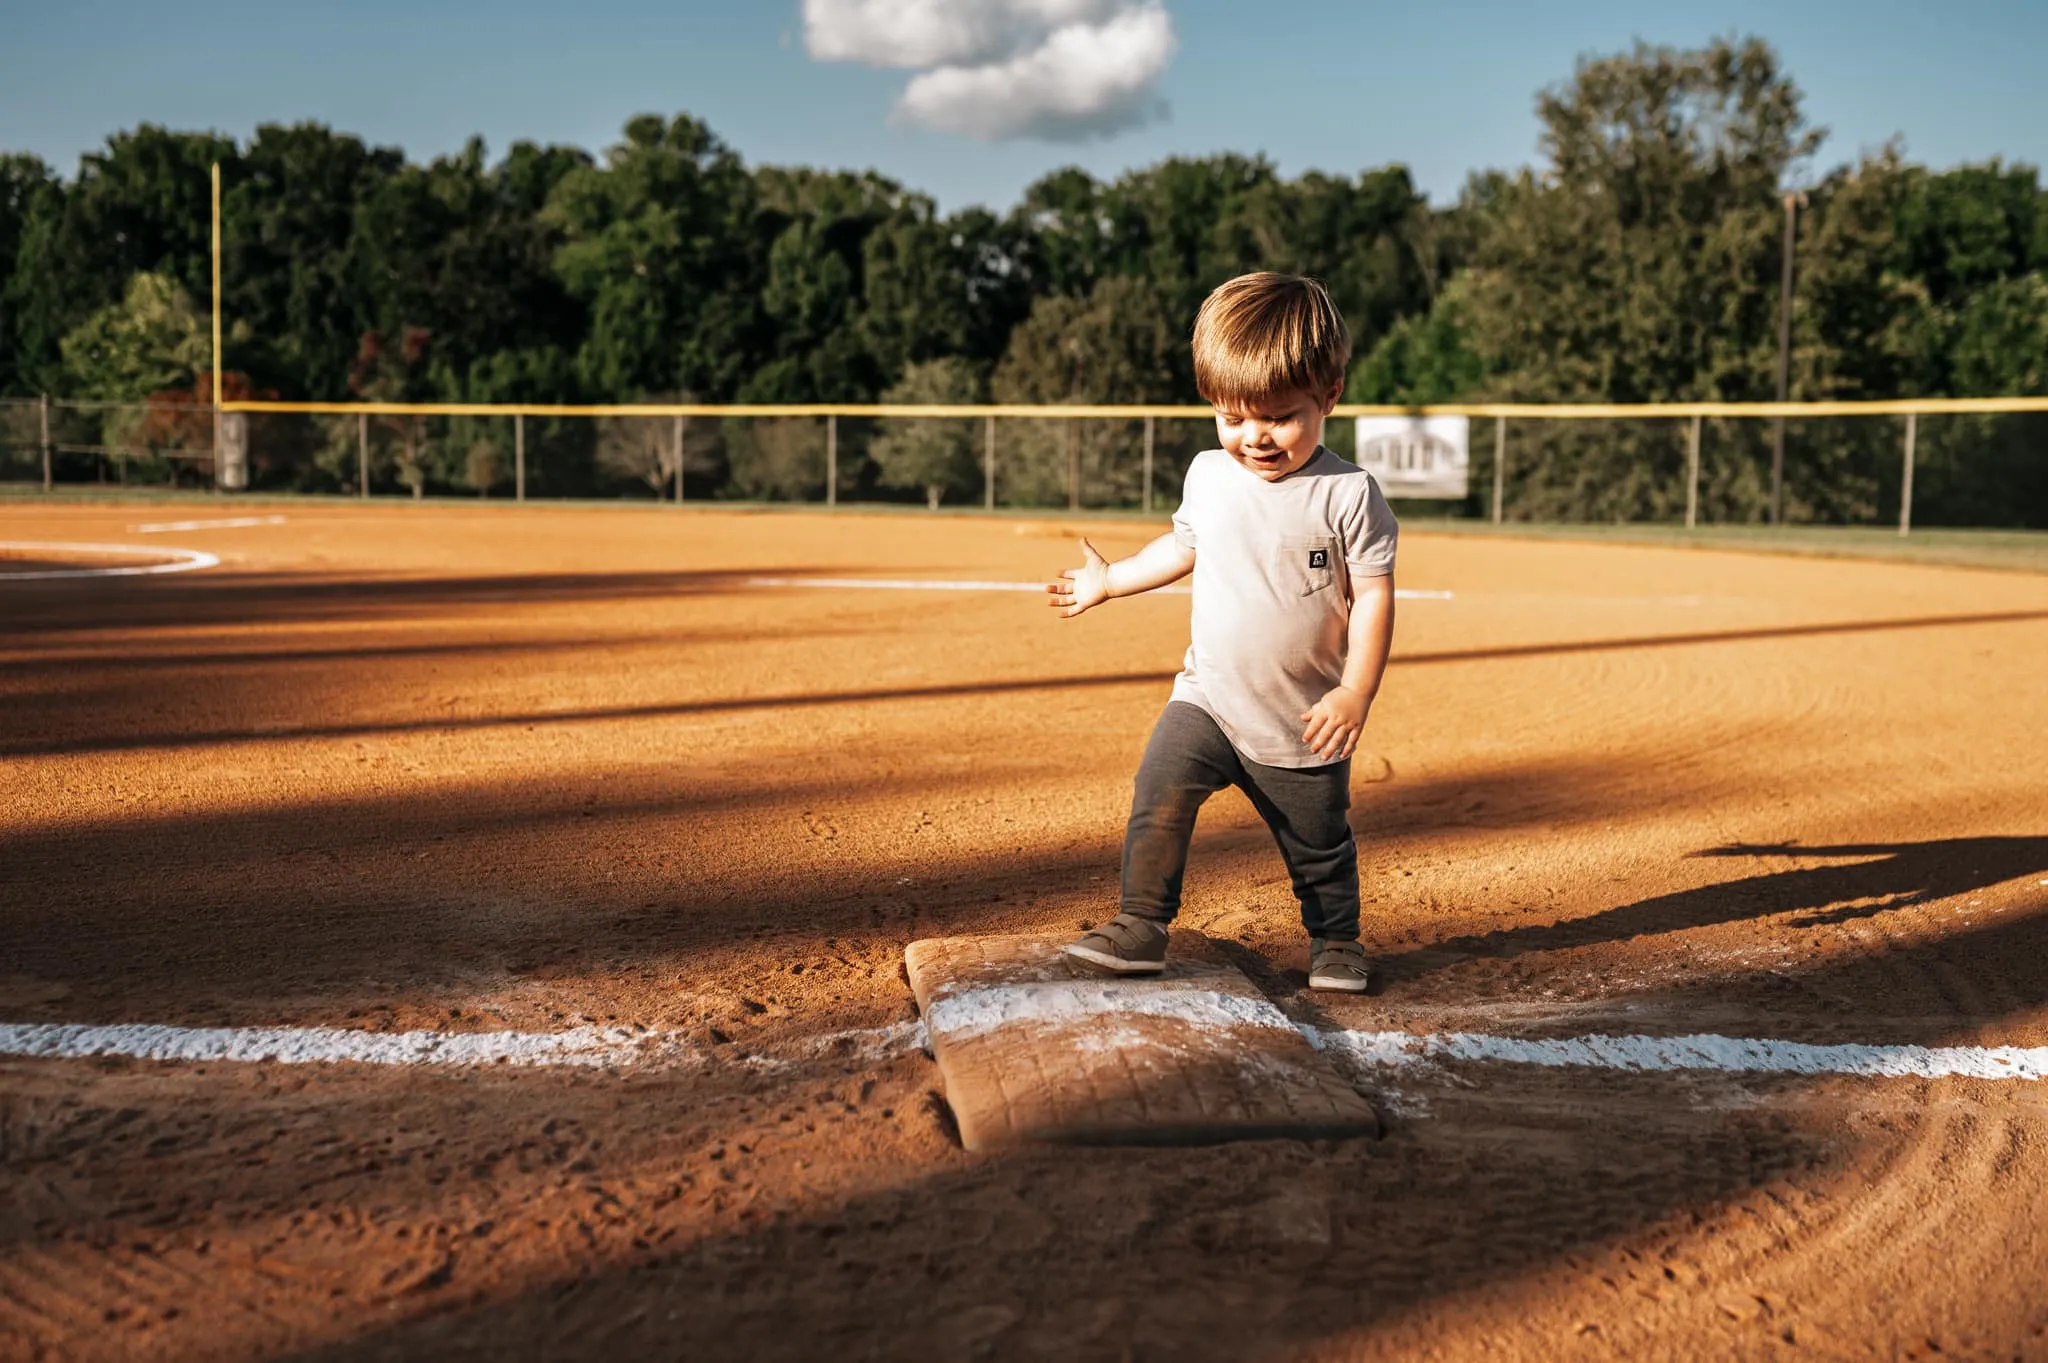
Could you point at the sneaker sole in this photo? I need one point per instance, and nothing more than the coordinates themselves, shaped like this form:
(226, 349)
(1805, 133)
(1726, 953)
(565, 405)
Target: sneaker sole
(1116, 965)
(1340, 986)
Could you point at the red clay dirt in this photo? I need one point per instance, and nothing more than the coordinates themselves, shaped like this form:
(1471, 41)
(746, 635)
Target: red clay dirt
(402, 768)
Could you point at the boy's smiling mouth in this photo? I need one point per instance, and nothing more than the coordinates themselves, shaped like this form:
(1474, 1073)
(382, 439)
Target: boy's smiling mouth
(1261, 461)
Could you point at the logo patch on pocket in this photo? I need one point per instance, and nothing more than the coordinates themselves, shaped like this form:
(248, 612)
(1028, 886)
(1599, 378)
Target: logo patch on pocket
(1318, 558)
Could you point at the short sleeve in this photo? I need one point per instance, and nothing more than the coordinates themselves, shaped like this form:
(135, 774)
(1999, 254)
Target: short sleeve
(1183, 516)
(1370, 531)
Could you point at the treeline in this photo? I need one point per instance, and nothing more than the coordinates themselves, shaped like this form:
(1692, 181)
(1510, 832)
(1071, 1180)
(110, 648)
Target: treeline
(1639, 262)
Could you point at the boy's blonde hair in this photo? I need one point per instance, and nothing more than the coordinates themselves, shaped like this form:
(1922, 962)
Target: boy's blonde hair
(1263, 337)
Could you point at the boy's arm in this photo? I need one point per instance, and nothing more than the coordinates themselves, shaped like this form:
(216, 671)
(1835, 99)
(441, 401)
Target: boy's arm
(1332, 725)
(1162, 561)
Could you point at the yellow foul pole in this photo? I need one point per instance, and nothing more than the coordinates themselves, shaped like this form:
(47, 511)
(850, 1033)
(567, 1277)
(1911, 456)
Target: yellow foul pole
(216, 326)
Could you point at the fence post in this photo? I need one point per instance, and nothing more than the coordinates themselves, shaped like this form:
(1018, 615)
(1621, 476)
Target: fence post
(988, 467)
(362, 454)
(1692, 473)
(1073, 466)
(46, 443)
(1906, 479)
(1500, 464)
(832, 460)
(679, 461)
(519, 456)
(1148, 465)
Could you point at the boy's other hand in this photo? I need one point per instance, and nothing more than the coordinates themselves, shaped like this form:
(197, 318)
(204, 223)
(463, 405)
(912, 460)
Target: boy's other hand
(1331, 726)
(1082, 587)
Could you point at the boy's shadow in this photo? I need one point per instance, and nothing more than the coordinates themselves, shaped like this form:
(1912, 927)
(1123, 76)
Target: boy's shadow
(1891, 876)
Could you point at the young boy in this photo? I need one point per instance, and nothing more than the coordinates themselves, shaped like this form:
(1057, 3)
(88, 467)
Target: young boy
(1293, 555)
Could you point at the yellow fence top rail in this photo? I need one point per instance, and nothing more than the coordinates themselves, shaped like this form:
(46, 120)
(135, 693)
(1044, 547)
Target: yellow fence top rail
(1561, 411)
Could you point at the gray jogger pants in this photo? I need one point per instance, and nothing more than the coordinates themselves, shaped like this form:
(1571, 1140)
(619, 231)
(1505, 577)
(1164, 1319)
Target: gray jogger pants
(1187, 760)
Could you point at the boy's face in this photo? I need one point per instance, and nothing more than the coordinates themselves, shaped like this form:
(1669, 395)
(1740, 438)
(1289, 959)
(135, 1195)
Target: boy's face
(1276, 437)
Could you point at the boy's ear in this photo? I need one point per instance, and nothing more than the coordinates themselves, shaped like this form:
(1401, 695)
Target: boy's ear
(1331, 398)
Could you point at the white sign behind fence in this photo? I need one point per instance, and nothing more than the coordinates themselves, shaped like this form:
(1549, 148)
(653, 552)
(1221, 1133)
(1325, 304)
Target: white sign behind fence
(1417, 456)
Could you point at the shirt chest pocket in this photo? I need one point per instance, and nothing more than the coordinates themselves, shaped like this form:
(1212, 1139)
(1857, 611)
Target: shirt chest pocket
(1305, 564)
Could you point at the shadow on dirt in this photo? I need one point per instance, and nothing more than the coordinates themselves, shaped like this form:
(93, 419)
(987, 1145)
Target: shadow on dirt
(440, 887)
(796, 700)
(1725, 636)
(1884, 877)
(437, 595)
(257, 598)
(659, 1248)
(1251, 1249)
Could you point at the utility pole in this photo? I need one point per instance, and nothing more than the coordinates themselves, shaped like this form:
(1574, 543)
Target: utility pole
(217, 479)
(1794, 201)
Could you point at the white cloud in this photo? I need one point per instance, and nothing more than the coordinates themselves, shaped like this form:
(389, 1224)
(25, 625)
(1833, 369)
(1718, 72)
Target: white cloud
(1061, 70)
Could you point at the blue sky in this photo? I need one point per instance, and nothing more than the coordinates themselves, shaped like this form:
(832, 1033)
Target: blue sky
(1446, 88)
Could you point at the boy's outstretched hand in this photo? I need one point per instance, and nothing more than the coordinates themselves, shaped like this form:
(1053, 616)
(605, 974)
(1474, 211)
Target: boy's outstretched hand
(1082, 587)
(1332, 725)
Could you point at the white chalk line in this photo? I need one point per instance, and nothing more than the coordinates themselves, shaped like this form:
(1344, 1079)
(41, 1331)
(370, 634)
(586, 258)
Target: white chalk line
(181, 560)
(582, 1047)
(226, 523)
(918, 584)
(1366, 1051)
(1724, 1054)
(976, 1012)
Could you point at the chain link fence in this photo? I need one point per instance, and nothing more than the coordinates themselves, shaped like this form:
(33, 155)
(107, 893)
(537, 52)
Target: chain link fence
(1971, 469)
(55, 441)
(1951, 469)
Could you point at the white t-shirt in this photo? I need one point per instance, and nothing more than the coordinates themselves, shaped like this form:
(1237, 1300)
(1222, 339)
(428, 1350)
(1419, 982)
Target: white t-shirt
(1274, 563)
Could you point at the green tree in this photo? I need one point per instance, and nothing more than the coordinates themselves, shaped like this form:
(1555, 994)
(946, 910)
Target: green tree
(817, 224)
(291, 265)
(152, 339)
(940, 287)
(935, 455)
(1422, 359)
(1638, 266)
(1985, 469)
(28, 192)
(658, 245)
(1118, 345)
(1065, 234)
(141, 205)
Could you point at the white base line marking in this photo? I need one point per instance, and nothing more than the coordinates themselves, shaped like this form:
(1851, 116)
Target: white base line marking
(319, 1045)
(915, 584)
(619, 1047)
(182, 560)
(968, 1013)
(229, 523)
(1726, 1054)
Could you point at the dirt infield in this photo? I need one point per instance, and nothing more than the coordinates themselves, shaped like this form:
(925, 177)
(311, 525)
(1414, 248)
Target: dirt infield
(405, 771)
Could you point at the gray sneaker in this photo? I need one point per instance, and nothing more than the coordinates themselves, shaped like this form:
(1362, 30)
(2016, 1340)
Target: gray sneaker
(1125, 945)
(1338, 966)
